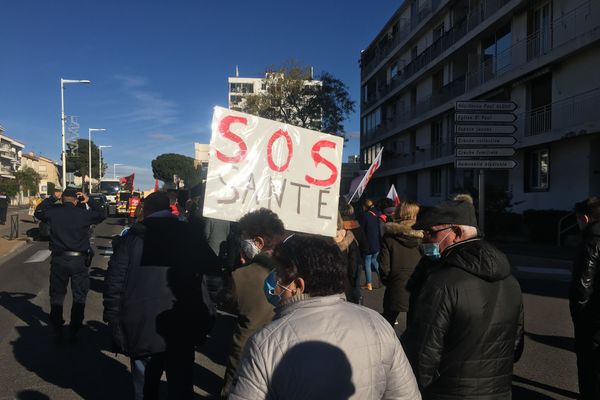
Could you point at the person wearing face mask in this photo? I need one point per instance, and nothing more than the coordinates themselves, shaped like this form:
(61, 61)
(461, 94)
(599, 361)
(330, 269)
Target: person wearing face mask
(319, 346)
(468, 323)
(261, 231)
(584, 298)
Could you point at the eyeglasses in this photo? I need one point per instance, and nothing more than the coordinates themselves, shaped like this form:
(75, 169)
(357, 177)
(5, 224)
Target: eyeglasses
(432, 232)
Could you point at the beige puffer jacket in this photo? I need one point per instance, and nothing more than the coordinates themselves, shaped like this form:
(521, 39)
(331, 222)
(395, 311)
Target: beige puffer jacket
(325, 348)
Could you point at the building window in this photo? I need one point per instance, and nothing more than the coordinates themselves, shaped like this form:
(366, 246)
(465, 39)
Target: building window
(373, 121)
(438, 32)
(540, 30)
(413, 53)
(540, 102)
(537, 178)
(496, 52)
(437, 138)
(241, 87)
(436, 182)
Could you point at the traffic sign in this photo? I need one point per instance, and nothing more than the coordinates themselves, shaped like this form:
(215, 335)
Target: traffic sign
(486, 152)
(462, 117)
(479, 129)
(506, 106)
(485, 164)
(486, 140)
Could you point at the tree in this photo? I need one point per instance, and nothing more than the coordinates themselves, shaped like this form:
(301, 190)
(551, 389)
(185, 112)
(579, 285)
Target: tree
(9, 186)
(292, 96)
(165, 166)
(77, 159)
(28, 180)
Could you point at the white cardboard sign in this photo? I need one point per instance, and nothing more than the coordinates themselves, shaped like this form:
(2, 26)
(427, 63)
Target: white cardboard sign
(255, 162)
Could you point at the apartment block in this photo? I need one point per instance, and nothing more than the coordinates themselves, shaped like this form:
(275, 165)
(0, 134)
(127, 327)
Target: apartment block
(10, 155)
(543, 55)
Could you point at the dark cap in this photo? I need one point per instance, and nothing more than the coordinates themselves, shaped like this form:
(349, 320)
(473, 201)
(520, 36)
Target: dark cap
(452, 212)
(70, 192)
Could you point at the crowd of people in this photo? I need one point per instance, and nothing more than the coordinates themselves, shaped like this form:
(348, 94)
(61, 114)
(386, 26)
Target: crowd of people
(301, 330)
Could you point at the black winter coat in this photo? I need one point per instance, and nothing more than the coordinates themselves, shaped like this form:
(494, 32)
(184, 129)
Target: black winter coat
(398, 258)
(351, 254)
(467, 325)
(371, 225)
(584, 296)
(153, 294)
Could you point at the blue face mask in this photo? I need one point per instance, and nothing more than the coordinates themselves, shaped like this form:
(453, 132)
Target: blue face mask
(269, 289)
(431, 250)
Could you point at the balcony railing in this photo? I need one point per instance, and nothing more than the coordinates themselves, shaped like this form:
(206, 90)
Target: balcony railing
(571, 25)
(562, 115)
(405, 26)
(417, 155)
(473, 19)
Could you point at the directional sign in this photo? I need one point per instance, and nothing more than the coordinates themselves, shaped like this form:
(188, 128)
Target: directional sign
(461, 117)
(486, 140)
(485, 164)
(479, 129)
(486, 152)
(506, 106)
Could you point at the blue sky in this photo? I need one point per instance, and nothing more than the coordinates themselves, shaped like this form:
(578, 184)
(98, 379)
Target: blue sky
(158, 67)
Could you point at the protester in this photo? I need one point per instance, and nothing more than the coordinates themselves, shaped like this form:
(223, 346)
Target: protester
(373, 231)
(400, 254)
(153, 299)
(69, 226)
(4, 202)
(584, 299)
(317, 347)
(468, 321)
(216, 232)
(351, 256)
(351, 224)
(261, 231)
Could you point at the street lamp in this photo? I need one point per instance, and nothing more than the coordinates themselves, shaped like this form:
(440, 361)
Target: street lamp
(90, 130)
(100, 159)
(62, 122)
(115, 170)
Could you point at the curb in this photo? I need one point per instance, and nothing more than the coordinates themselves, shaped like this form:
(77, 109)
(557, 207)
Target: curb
(20, 247)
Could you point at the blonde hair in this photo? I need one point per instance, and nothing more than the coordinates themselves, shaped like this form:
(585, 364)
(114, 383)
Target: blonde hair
(406, 211)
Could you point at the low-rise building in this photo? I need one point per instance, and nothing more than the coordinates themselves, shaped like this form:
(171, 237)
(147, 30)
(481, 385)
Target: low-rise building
(10, 155)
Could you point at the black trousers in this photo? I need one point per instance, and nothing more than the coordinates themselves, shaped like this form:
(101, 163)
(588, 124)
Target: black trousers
(588, 363)
(3, 211)
(62, 270)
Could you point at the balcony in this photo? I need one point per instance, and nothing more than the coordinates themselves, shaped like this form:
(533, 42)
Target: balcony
(566, 30)
(420, 154)
(473, 19)
(405, 26)
(563, 115)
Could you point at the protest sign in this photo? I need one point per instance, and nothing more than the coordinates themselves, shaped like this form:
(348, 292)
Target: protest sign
(255, 163)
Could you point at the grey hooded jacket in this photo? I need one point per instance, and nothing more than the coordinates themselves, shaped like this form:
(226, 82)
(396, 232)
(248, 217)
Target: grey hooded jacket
(325, 348)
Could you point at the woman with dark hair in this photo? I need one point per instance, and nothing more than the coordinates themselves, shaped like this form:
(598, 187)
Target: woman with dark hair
(316, 335)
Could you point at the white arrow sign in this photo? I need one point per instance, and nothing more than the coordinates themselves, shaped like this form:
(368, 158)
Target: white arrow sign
(485, 117)
(486, 140)
(479, 129)
(491, 152)
(485, 164)
(485, 106)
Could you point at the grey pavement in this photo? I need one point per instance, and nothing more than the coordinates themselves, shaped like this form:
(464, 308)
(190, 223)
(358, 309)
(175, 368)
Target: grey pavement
(32, 367)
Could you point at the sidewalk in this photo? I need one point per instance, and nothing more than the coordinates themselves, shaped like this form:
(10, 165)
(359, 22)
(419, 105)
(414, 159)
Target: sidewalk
(25, 223)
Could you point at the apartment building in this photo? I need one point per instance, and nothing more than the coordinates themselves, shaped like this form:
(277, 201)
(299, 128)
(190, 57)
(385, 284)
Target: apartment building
(45, 167)
(10, 155)
(543, 55)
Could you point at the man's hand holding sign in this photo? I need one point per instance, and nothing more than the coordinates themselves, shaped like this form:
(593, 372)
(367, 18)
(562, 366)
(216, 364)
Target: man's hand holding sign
(255, 162)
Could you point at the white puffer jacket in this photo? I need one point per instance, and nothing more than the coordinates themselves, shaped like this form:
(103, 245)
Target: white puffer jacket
(325, 348)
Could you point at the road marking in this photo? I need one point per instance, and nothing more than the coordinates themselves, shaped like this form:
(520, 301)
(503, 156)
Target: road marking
(544, 270)
(39, 256)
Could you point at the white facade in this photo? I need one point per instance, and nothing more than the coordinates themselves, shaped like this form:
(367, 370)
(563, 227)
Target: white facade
(543, 55)
(242, 87)
(10, 155)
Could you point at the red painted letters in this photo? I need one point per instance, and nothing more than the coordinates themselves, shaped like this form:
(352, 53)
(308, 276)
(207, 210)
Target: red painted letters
(318, 159)
(290, 150)
(224, 129)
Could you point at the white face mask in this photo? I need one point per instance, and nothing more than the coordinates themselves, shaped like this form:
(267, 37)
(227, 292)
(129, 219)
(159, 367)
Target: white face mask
(249, 248)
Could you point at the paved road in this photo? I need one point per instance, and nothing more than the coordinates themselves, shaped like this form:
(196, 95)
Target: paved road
(32, 367)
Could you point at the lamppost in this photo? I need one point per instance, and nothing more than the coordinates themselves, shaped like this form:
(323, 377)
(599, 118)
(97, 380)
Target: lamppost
(115, 170)
(62, 122)
(90, 130)
(100, 159)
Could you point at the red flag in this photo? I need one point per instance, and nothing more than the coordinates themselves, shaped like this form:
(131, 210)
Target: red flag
(393, 195)
(127, 182)
(156, 185)
(365, 180)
